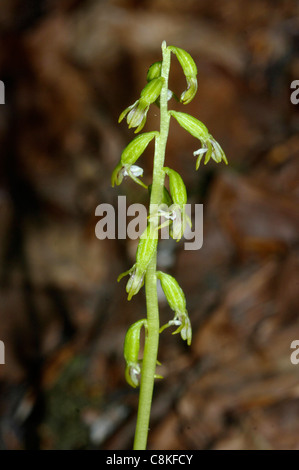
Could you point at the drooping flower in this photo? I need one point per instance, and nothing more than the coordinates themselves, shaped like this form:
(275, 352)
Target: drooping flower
(121, 171)
(131, 352)
(146, 248)
(190, 70)
(178, 194)
(186, 331)
(129, 156)
(136, 113)
(136, 280)
(209, 145)
(212, 149)
(189, 94)
(177, 302)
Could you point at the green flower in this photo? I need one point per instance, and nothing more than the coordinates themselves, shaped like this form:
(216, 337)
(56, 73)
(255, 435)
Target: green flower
(129, 156)
(122, 170)
(189, 94)
(211, 148)
(136, 113)
(135, 281)
(146, 248)
(177, 302)
(131, 352)
(190, 71)
(209, 145)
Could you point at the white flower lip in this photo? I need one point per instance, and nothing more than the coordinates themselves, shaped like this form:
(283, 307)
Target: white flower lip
(167, 214)
(199, 151)
(135, 170)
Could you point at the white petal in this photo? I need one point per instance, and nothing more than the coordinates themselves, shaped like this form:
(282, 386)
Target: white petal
(168, 215)
(169, 94)
(136, 170)
(200, 151)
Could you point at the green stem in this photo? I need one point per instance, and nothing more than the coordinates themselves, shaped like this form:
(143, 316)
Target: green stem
(152, 340)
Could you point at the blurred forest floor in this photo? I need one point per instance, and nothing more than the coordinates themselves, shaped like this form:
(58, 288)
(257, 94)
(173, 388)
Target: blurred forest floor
(70, 67)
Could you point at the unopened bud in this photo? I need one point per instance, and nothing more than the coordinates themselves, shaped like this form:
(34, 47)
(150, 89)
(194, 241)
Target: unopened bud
(154, 71)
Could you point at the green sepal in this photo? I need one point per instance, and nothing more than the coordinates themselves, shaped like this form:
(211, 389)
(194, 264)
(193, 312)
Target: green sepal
(132, 340)
(173, 292)
(191, 125)
(136, 147)
(177, 186)
(152, 90)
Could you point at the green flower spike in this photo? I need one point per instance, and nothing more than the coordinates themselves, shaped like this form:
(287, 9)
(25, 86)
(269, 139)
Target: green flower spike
(190, 70)
(136, 113)
(177, 302)
(166, 208)
(146, 248)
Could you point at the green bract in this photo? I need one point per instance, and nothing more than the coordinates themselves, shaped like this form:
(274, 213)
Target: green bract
(190, 70)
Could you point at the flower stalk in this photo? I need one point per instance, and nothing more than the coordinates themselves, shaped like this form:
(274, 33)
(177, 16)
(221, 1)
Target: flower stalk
(163, 203)
(153, 325)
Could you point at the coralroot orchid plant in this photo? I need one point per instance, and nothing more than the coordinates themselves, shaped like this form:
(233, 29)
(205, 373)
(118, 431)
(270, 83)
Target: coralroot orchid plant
(169, 205)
